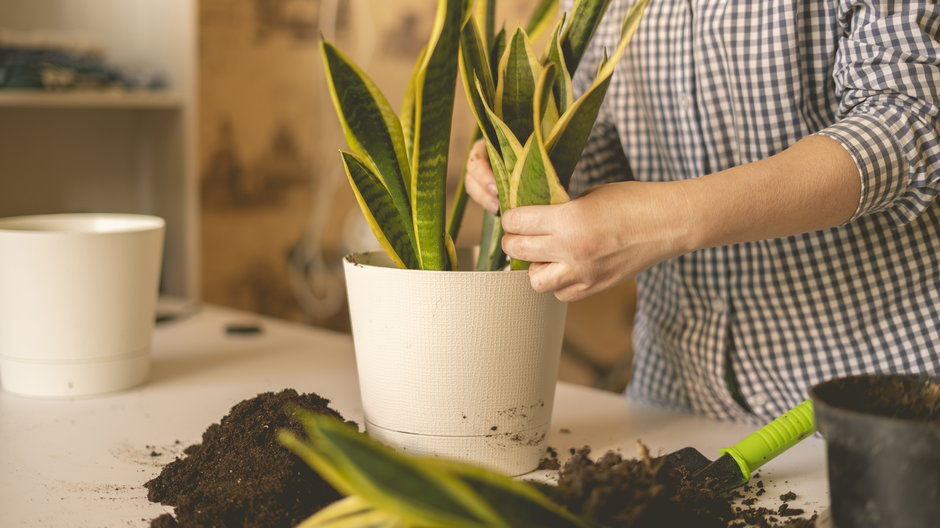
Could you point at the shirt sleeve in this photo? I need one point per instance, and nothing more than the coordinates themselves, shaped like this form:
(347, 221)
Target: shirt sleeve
(602, 160)
(887, 73)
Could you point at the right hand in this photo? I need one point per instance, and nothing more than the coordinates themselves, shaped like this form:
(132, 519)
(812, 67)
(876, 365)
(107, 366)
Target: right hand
(479, 181)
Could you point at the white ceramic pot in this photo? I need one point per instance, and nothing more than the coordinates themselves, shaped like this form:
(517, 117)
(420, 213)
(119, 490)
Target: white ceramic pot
(459, 364)
(78, 298)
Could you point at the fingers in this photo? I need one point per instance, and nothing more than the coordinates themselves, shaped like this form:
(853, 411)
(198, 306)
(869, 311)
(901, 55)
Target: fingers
(558, 278)
(532, 248)
(479, 182)
(548, 276)
(530, 220)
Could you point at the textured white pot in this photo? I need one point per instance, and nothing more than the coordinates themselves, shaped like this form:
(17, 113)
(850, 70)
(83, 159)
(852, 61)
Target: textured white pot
(459, 364)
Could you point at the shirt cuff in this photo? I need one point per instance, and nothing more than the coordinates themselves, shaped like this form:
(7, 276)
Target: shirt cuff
(881, 163)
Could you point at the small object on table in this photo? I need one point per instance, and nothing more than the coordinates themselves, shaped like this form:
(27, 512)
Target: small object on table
(244, 328)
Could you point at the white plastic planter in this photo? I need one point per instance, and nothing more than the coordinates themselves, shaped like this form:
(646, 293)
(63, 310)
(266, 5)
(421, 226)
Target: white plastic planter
(78, 299)
(461, 365)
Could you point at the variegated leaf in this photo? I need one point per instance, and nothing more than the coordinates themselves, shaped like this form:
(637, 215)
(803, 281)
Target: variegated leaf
(372, 130)
(408, 113)
(434, 102)
(562, 90)
(518, 503)
(491, 256)
(534, 178)
(518, 70)
(474, 67)
(541, 18)
(353, 512)
(378, 207)
(586, 16)
(567, 139)
(392, 482)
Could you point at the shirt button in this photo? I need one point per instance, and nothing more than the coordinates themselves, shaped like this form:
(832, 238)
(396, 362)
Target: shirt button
(685, 102)
(718, 305)
(759, 400)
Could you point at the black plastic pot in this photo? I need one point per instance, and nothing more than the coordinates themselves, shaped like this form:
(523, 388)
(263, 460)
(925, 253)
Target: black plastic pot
(883, 445)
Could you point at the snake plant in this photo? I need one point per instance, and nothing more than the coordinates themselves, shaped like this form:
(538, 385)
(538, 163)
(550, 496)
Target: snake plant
(387, 489)
(398, 165)
(533, 127)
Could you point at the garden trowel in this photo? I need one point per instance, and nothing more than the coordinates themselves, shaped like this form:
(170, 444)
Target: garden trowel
(736, 463)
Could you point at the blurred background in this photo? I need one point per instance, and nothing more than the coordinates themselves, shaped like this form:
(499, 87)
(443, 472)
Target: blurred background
(214, 114)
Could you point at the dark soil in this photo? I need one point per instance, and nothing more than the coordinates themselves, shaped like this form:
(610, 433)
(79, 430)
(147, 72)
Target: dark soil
(640, 493)
(239, 476)
(915, 398)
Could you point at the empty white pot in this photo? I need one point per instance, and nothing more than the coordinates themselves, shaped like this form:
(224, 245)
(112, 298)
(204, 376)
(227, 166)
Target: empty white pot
(78, 298)
(458, 364)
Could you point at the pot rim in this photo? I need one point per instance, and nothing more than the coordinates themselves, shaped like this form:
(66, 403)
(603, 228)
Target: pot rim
(822, 403)
(384, 262)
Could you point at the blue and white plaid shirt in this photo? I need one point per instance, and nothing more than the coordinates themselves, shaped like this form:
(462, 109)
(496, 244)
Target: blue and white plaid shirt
(711, 84)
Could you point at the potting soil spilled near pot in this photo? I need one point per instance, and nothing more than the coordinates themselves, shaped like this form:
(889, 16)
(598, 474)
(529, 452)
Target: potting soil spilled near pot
(635, 493)
(239, 476)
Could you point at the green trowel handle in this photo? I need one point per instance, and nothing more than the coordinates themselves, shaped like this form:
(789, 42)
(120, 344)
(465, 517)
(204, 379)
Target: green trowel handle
(774, 438)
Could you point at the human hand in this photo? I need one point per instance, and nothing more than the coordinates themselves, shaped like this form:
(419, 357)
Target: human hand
(586, 245)
(479, 180)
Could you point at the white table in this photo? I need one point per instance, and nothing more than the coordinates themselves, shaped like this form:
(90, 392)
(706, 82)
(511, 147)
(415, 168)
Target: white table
(83, 462)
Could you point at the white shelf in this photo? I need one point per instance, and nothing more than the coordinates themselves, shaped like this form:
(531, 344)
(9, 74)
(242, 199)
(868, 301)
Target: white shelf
(11, 98)
(111, 150)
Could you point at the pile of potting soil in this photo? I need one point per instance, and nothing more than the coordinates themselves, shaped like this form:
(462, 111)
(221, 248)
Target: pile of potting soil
(240, 476)
(640, 493)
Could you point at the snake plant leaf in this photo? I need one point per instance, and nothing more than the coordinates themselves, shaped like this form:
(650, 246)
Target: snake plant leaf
(474, 66)
(372, 129)
(497, 48)
(408, 113)
(586, 16)
(515, 87)
(567, 139)
(502, 154)
(461, 197)
(491, 256)
(541, 17)
(352, 512)
(390, 481)
(485, 12)
(534, 180)
(378, 207)
(434, 103)
(517, 502)
(424, 492)
(452, 263)
(562, 90)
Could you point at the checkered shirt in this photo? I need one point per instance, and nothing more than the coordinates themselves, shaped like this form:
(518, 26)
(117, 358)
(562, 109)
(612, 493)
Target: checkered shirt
(710, 84)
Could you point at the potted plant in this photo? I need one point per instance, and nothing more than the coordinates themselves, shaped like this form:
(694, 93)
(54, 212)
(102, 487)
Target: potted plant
(461, 363)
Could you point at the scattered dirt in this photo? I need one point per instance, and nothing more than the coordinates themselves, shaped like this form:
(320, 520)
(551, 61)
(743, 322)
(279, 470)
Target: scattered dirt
(551, 460)
(640, 493)
(239, 476)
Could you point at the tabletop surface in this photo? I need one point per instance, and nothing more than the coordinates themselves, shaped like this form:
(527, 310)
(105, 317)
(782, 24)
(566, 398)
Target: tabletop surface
(82, 462)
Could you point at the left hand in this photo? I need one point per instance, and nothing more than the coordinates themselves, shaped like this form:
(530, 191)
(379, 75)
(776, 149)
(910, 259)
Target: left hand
(586, 245)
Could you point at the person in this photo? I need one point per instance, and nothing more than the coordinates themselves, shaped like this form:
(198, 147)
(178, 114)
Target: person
(768, 171)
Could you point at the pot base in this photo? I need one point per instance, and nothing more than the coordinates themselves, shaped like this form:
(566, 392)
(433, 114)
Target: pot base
(512, 453)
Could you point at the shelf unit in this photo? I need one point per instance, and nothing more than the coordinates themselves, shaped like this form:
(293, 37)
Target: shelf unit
(111, 151)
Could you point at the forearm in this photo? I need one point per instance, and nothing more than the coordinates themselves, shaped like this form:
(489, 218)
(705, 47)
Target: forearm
(812, 185)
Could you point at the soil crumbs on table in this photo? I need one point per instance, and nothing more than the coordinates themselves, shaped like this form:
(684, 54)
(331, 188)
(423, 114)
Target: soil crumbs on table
(639, 493)
(240, 476)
